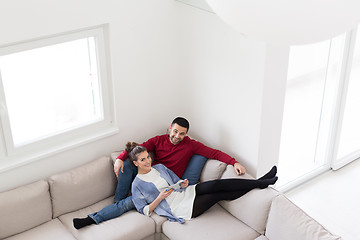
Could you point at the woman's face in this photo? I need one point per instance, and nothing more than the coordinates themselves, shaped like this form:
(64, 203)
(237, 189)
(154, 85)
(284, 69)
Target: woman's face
(143, 162)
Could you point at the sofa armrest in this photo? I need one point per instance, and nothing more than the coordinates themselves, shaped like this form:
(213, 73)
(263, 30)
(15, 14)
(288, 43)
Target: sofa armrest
(252, 208)
(114, 155)
(287, 221)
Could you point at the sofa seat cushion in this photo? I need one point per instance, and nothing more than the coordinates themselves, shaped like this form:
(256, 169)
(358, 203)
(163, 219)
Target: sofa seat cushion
(53, 230)
(24, 207)
(131, 225)
(80, 187)
(216, 223)
(262, 237)
(287, 221)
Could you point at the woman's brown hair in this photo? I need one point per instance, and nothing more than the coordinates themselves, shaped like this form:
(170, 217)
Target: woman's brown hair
(133, 149)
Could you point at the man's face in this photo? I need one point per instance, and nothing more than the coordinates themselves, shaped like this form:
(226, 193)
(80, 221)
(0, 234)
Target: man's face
(177, 133)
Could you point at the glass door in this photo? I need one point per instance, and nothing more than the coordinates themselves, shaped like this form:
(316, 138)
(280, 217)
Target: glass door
(313, 75)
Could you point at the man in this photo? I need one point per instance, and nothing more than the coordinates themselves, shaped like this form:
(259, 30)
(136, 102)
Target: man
(184, 156)
(174, 150)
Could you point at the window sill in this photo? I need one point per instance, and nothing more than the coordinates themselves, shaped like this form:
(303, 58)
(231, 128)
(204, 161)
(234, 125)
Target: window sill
(15, 161)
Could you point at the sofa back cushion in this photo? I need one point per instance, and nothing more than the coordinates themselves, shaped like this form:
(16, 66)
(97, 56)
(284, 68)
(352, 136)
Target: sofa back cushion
(82, 186)
(213, 169)
(24, 207)
(287, 221)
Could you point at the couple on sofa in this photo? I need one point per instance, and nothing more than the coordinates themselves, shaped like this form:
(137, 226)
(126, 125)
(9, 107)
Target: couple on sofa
(175, 155)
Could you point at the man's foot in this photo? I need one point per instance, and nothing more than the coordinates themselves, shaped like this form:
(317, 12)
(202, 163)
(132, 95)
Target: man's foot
(270, 174)
(264, 183)
(82, 222)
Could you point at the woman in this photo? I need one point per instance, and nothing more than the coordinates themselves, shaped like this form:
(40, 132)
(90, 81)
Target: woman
(155, 189)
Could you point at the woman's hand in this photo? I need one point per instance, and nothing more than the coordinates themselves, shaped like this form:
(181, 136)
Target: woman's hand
(164, 194)
(184, 184)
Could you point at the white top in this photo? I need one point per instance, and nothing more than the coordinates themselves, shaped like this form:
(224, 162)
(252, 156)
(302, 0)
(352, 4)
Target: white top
(180, 203)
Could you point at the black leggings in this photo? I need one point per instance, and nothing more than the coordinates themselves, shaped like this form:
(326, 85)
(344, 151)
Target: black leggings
(210, 192)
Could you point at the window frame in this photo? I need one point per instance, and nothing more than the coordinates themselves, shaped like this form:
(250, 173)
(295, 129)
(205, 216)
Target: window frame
(11, 155)
(339, 162)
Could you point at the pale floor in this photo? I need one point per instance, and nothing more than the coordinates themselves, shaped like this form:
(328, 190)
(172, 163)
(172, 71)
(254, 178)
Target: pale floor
(333, 199)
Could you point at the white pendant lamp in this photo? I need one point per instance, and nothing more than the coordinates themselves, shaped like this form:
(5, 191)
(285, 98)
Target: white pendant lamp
(289, 22)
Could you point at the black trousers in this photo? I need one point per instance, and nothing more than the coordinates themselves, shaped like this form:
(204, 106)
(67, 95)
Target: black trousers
(210, 192)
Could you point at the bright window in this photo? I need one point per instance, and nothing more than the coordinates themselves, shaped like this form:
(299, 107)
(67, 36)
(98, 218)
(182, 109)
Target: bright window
(51, 94)
(54, 91)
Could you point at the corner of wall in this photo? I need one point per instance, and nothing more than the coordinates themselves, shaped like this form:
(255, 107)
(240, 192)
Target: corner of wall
(273, 97)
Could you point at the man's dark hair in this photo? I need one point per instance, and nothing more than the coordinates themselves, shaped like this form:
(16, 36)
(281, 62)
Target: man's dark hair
(181, 122)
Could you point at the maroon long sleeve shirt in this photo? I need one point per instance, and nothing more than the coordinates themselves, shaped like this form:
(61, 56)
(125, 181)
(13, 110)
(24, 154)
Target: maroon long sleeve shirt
(176, 157)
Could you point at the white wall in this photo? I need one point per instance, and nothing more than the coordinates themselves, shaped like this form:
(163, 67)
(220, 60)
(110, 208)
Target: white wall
(237, 86)
(143, 48)
(167, 59)
(273, 98)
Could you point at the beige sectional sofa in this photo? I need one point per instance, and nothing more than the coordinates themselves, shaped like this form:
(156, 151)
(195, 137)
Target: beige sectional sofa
(45, 209)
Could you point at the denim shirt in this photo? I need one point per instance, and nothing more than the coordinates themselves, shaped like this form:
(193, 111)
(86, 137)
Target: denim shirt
(144, 193)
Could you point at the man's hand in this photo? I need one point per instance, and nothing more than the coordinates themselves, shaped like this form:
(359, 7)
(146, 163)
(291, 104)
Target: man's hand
(118, 165)
(239, 169)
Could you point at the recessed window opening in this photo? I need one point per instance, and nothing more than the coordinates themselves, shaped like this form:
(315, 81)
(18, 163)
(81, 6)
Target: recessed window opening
(51, 89)
(314, 76)
(54, 91)
(320, 121)
(302, 113)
